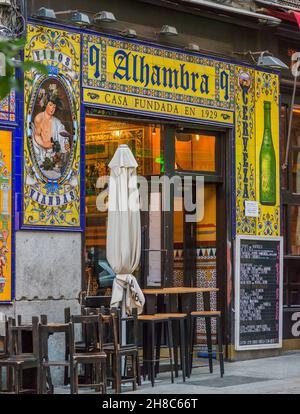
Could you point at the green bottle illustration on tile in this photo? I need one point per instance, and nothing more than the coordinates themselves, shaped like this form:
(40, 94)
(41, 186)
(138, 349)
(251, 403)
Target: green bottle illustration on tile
(267, 162)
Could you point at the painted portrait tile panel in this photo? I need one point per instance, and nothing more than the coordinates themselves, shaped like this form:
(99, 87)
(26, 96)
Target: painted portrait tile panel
(52, 130)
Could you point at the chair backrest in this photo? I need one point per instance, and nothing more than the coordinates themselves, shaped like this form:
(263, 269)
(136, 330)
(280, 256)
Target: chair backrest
(46, 329)
(106, 323)
(130, 323)
(67, 313)
(15, 336)
(4, 335)
(92, 329)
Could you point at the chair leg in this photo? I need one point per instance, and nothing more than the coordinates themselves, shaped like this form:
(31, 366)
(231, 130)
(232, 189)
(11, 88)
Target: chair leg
(43, 380)
(175, 349)
(73, 378)
(187, 347)
(220, 345)
(97, 376)
(125, 366)
(66, 370)
(9, 378)
(152, 375)
(209, 343)
(138, 369)
(134, 372)
(158, 344)
(103, 377)
(145, 351)
(108, 364)
(182, 348)
(17, 380)
(38, 383)
(170, 344)
(192, 342)
(104, 380)
(113, 371)
(118, 374)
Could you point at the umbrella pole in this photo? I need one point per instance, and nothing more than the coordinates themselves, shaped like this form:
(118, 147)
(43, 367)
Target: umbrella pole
(123, 327)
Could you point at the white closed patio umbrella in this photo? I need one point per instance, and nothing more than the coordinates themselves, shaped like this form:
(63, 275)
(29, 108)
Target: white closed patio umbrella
(124, 231)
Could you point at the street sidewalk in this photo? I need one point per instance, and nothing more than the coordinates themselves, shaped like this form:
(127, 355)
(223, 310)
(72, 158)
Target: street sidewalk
(277, 375)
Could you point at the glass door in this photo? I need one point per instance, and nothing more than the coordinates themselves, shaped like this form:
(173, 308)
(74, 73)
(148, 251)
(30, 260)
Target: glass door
(198, 158)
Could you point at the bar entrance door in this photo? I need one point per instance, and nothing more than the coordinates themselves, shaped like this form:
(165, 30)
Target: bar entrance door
(198, 244)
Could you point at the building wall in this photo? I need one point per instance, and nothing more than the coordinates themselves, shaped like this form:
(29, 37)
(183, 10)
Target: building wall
(48, 269)
(48, 264)
(211, 33)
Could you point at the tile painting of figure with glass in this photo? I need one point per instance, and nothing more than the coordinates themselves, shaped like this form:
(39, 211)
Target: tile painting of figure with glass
(52, 129)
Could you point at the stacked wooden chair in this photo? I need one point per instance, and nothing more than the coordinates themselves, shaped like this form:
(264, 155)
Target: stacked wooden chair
(16, 360)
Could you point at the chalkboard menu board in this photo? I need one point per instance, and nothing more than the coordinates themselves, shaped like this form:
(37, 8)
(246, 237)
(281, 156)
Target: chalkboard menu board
(258, 292)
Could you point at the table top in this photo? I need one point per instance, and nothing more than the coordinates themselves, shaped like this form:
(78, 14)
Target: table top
(178, 290)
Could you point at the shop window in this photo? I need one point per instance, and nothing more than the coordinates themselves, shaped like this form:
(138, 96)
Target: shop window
(195, 152)
(102, 138)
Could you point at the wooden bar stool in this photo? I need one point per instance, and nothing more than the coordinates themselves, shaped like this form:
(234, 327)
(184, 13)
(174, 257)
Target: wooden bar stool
(208, 315)
(148, 352)
(181, 319)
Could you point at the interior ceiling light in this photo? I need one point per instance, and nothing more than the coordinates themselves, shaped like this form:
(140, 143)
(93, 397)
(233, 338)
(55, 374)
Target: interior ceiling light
(167, 30)
(80, 18)
(45, 13)
(104, 16)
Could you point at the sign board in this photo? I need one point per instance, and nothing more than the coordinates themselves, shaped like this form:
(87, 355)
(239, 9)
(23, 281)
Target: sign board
(251, 209)
(153, 80)
(291, 323)
(258, 292)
